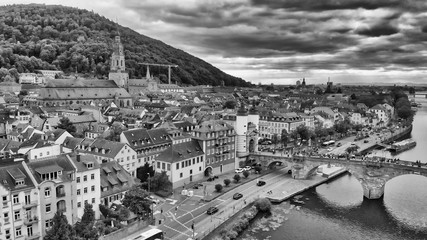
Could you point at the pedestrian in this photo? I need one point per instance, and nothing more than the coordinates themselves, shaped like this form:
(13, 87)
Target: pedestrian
(244, 201)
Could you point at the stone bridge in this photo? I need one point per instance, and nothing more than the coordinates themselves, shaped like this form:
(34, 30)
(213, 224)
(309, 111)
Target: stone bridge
(372, 175)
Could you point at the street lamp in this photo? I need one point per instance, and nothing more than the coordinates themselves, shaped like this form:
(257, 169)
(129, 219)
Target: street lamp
(148, 180)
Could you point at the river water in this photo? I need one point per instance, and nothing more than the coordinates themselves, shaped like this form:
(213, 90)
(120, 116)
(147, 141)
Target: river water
(337, 210)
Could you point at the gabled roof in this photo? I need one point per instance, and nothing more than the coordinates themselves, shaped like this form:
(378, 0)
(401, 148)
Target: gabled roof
(14, 171)
(58, 163)
(141, 137)
(181, 151)
(115, 181)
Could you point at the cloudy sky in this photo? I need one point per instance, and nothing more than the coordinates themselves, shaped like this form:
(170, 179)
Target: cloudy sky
(281, 41)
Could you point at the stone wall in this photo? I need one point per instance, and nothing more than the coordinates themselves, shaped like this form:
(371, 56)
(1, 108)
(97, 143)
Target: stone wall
(126, 231)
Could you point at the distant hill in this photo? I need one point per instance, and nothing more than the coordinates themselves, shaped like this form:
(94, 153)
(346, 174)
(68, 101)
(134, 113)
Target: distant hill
(69, 39)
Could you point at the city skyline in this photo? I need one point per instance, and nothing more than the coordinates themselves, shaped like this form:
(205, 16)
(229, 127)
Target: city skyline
(280, 42)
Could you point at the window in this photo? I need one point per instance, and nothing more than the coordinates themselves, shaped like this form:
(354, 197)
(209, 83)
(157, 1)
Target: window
(163, 166)
(177, 166)
(92, 176)
(47, 192)
(92, 188)
(17, 215)
(15, 199)
(93, 200)
(158, 164)
(180, 175)
(48, 208)
(18, 232)
(48, 223)
(79, 204)
(78, 191)
(84, 178)
(85, 190)
(78, 179)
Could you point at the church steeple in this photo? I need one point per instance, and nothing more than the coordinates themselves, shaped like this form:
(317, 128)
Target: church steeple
(148, 73)
(118, 56)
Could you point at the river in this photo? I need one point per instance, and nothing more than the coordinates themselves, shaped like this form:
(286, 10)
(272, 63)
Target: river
(337, 210)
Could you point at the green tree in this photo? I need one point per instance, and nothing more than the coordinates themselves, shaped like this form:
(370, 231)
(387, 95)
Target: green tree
(218, 187)
(284, 138)
(143, 172)
(263, 205)
(160, 181)
(136, 200)
(67, 125)
(230, 104)
(236, 178)
(227, 182)
(246, 174)
(85, 228)
(60, 230)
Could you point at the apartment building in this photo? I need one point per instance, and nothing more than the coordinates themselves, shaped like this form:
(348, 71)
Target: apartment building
(20, 210)
(217, 140)
(54, 178)
(105, 151)
(183, 162)
(274, 123)
(148, 144)
(115, 182)
(88, 183)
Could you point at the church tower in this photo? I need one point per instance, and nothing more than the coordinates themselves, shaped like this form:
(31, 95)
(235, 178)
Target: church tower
(241, 129)
(117, 66)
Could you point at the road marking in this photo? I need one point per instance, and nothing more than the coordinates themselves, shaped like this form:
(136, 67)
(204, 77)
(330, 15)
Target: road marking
(173, 229)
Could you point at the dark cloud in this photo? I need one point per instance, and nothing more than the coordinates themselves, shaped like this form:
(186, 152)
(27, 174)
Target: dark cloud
(378, 30)
(338, 34)
(323, 5)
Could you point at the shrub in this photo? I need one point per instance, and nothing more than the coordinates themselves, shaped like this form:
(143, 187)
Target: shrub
(236, 178)
(246, 174)
(218, 187)
(227, 182)
(163, 193)
(258, 169)
(263, 204)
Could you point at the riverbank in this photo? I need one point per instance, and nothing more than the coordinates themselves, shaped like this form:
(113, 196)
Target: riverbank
(282, 190)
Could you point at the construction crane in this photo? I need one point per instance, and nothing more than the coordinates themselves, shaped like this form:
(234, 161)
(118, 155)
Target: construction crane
(162, 65)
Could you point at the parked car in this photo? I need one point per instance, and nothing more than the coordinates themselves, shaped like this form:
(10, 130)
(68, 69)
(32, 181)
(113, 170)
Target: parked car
(339, 144)
(153, 199)
(239, 170)
(261, 183)
(247, 168)
(212, 210)
(366, 141)
(237, 196)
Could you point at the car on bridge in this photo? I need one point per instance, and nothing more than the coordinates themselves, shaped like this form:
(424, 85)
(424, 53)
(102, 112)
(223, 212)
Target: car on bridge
(261, 183)
(247, 168)
(237, 196)
(212, 210)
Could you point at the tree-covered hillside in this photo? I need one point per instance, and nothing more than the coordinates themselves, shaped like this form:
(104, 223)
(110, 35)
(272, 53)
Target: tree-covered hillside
(36, 37)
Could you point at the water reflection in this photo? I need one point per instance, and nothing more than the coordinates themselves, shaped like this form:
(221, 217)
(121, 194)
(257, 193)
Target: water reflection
(404, 198)
(348, 193)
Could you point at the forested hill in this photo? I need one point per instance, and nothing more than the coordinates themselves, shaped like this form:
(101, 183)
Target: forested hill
(36, 37)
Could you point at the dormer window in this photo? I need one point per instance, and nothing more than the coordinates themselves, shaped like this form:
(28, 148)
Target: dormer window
(90, 165)
(20, 182)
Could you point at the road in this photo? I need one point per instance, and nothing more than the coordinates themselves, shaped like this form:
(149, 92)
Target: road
(178, 221)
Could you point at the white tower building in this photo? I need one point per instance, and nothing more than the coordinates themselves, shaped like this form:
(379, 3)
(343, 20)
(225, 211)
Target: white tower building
(241, 129)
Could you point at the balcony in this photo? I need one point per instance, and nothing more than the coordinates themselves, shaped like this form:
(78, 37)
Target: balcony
(31, 204)
(35, 236)
(60, 194)
(32, 220)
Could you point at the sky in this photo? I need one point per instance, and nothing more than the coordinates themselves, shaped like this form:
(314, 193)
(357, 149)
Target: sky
(282, 41)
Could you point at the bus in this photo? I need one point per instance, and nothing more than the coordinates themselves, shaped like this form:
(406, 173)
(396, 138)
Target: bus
(152, 234)
(328, 143)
